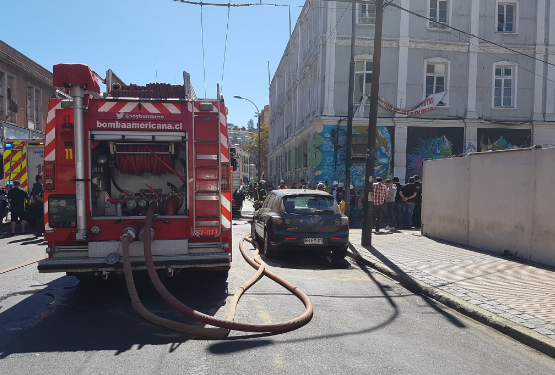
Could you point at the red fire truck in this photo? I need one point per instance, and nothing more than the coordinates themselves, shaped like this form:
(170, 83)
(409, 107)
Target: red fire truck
(109, 155)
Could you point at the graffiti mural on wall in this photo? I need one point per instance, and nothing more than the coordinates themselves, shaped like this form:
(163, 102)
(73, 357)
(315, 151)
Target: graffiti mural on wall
(431, 143)
(502, 139)
(384, 152)
(327, 154)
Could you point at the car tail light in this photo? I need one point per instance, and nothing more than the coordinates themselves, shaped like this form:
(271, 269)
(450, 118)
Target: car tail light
(343, 221)
(49, 176)
(225, 177)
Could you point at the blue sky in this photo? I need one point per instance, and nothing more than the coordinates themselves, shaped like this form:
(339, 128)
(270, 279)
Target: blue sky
(134, 37)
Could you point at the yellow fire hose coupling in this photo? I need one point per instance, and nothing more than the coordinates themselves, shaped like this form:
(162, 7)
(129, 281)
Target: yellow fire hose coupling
(224, 325)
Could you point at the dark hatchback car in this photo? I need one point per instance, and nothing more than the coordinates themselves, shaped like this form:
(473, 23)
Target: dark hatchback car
(297, 218)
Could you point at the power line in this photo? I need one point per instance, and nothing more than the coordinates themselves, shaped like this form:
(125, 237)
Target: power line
(203, 60)
(237, 5)
(477, 45)
(499, 57)
(466, 33)
(225, 47)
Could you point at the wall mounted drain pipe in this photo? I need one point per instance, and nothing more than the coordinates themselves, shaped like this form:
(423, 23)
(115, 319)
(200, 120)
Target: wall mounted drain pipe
(224, 325)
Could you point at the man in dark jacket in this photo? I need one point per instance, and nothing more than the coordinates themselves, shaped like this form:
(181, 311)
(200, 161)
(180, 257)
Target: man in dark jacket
(408, 193)
(37, 205)
(417, 215)
(398, 204)
(17, 197)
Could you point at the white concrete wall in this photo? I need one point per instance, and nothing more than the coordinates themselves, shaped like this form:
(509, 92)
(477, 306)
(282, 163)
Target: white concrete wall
(495, 201)
(445, 213)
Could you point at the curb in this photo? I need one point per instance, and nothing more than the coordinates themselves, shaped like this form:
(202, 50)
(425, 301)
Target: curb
(522, 334)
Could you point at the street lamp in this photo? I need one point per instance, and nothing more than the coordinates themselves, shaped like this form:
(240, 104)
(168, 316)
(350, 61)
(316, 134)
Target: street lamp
(258, 112)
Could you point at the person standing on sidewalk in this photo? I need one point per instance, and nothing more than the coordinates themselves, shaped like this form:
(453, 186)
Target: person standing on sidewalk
(416, 216)
(390, 203)
(17, 197)
(333, 190)
(398, 203)
(37, 205)
(408, 193)
(378, 202)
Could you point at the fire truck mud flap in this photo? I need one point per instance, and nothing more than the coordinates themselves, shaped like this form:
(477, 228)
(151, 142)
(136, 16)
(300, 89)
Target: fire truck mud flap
(82, 264)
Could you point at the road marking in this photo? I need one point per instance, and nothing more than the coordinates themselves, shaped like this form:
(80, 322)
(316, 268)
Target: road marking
(21, 265)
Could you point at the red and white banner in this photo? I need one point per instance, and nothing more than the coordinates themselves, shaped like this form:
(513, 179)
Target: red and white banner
(426, 106)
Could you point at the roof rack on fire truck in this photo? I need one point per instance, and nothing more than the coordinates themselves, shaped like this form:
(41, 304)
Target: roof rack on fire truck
(117, 89)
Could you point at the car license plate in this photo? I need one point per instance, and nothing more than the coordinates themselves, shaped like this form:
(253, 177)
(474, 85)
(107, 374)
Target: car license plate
(313, 241)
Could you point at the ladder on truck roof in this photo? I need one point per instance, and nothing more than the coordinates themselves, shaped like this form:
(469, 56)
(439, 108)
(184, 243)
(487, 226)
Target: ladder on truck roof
(207, 170)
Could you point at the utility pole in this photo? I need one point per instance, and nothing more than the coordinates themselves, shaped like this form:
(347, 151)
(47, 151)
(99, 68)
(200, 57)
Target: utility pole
(259, 158)
(349, 156)
(366, 239)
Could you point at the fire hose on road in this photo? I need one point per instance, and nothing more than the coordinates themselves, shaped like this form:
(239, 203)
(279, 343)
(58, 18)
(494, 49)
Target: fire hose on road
(224, 326)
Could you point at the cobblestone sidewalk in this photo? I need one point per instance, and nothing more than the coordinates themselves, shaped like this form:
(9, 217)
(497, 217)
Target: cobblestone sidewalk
(523, 293)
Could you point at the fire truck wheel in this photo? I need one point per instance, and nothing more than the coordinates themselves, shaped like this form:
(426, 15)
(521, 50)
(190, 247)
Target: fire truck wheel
(85, 279)
(218, 273)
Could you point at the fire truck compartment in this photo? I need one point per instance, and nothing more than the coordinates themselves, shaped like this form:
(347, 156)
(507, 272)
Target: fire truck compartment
(130, 169)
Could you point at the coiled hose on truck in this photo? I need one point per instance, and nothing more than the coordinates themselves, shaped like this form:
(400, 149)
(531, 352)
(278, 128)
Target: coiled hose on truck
(224, 326)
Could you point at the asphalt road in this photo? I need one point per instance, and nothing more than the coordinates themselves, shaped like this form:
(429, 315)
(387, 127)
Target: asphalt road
(364, 323)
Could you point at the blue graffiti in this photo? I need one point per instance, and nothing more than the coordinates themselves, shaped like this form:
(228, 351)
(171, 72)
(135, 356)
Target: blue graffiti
(333, 149)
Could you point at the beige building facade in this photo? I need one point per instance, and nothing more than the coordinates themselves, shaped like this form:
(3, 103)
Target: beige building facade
(25, 88)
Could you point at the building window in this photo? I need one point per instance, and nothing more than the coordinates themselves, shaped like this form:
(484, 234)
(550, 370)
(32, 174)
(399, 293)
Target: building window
(2, 86)
(436, 79)
(10, 84)
(506, 17)
(438, 14)
(363, 79)
(366, 14)
(33, 107)
(504, 90)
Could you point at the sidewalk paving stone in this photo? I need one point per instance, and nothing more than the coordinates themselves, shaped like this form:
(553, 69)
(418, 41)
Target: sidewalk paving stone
(523, 293)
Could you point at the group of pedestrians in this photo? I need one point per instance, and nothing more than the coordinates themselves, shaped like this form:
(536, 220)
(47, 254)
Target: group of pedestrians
(16, 198)
(403, 203)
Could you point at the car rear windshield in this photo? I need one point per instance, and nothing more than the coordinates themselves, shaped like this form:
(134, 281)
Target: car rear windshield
(310, 204)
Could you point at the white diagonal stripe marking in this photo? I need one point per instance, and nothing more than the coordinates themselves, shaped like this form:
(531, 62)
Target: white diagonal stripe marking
(51, 156)
(150, 107)
(106, 106)
(172, 108)
(223, 139)
(225, 222)
(128, 107)
(49, 137)
(52, 112)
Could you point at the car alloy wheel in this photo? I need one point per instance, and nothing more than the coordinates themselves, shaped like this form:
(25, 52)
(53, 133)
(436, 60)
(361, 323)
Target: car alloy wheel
(269, 251)
(253, 232)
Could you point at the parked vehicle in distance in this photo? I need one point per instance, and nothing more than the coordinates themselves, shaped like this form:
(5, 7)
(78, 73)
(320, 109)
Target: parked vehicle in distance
(301, 219)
